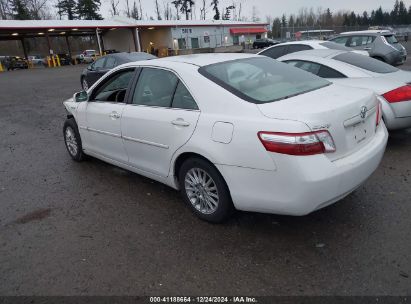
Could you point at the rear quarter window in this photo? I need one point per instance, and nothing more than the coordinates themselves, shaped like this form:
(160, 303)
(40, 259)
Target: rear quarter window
(366, 63)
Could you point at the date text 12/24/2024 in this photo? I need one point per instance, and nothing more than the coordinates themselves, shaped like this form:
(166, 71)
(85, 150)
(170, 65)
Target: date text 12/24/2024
(203, 300)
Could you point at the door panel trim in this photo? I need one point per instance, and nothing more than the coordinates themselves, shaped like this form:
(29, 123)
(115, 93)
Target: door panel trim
(145, 142)
(103, 132)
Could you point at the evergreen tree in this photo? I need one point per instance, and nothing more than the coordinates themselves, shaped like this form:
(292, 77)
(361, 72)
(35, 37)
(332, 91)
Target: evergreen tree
(19, 10)
(67, 7)
(284, 20)
(402, 14)
(214, 4)
(88, 9)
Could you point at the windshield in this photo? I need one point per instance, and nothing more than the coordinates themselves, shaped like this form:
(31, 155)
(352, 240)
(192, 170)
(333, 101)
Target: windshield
(335, 46)
(366, 63)
(262, 80)
(391, 39)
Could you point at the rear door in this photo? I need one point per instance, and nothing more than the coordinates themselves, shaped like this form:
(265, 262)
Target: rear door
(160, 118)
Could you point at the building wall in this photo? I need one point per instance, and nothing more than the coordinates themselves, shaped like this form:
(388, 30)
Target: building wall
(120, 40)
(159, 37)
(207, 36)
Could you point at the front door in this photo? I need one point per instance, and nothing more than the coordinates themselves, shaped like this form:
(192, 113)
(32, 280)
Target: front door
(159, 120)
(103, 116)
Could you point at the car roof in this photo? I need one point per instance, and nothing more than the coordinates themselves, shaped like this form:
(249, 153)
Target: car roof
(206, 59)
(325, 53)
(375, 32)
(133, 56)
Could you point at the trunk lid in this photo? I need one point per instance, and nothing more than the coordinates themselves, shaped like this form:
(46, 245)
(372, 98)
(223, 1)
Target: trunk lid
(349, 114)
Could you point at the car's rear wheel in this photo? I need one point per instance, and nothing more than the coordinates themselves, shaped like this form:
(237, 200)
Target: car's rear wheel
(72, 140)
(84, 83)
(205, 191)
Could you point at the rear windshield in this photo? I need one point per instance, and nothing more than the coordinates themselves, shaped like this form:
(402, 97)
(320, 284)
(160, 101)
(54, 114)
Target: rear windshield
(366, 63)
(335, 46)
(262, 80)
(391, 39)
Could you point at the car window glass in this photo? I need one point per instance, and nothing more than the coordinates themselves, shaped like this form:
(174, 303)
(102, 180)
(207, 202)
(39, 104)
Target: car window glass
(155, 87)
(366, 63)
(326, 72)
(293, 48)
(114, 89)
(391, 39)
(359, 41)
(335, 46)
(311, 67)
(110, 62)
(261, 80)
(340, 40)
(274, 52)
(99, 63)
(183, 99)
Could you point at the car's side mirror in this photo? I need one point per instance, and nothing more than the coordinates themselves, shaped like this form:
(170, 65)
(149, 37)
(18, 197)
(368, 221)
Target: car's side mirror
(80, 96)
(90, 67)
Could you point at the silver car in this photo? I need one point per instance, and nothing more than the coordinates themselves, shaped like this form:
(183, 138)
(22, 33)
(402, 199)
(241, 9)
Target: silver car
(380, 44)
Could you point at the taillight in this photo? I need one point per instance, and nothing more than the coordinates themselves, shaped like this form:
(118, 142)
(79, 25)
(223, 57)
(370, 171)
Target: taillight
(379, 114)
(399, 94)
(309, 143)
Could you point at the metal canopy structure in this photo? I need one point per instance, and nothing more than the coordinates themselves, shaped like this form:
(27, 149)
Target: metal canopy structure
(25, 29)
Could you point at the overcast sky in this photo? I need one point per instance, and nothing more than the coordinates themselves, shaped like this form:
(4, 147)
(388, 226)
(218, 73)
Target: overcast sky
(270, 7)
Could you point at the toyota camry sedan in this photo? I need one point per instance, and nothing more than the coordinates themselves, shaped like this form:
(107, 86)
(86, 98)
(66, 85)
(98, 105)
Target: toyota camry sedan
(392, 85)
(231, 131)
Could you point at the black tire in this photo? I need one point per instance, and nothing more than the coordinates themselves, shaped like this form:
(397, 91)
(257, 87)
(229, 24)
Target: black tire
(224, 207)
(70, 126)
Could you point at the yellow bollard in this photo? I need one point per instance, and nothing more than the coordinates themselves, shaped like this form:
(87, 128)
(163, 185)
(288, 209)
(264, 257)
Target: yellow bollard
(54, 61)
(1, 67)
(48, 61)
(58, 60)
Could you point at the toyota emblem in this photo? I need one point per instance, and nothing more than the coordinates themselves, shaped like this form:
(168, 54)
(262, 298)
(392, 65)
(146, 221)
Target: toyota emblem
(363, 112)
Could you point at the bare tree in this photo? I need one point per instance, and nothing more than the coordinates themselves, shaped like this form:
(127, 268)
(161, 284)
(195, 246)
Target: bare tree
(141, 9)
(128, 14)
(114, 10)
(203, 10)
(135, 14)
(4, 9)
(177, 4)
(167, 10)
(38, 8)
(158, 13)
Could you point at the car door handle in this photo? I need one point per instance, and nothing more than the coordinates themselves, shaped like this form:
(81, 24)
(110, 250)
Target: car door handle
(367, 48)
(114, 115)
(180, 122)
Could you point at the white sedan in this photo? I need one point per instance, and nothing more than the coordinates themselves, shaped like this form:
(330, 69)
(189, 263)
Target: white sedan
(392, 85)
(231, 131)
(285, 48)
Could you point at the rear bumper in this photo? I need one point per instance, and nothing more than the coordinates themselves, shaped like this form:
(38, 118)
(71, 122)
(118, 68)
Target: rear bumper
(301, 185)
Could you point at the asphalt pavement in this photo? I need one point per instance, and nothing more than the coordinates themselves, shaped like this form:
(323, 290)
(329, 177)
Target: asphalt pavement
(89, 228)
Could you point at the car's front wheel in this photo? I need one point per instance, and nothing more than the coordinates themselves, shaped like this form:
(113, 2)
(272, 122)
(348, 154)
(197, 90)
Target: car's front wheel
(72, 140)
(205, 191)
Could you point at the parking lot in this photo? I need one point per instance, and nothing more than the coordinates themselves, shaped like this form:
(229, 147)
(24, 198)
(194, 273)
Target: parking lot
(90, 228)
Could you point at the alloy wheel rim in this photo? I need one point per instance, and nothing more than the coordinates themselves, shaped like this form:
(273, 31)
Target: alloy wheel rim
(85, 84)
(201, 190)
(71, 141)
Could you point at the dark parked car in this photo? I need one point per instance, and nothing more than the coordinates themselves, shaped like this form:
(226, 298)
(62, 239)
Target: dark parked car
(263, 43)
(65, 59)
(16, 62)
(101, 66)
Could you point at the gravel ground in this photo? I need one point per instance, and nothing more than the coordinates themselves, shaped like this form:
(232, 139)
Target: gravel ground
(89, 228)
